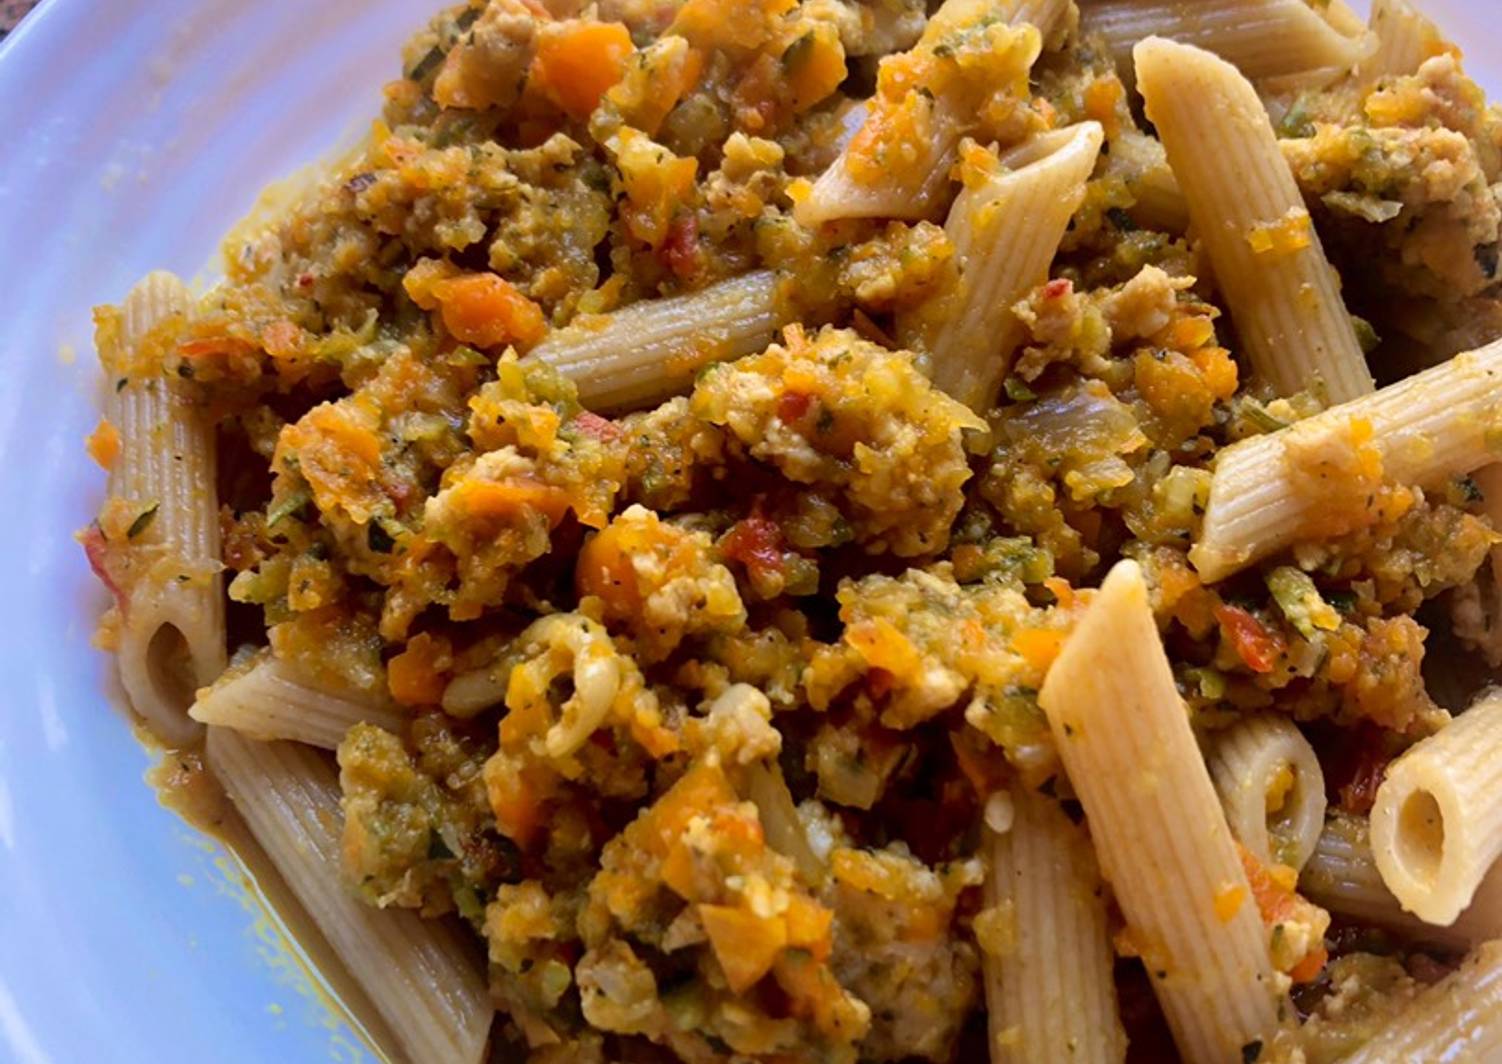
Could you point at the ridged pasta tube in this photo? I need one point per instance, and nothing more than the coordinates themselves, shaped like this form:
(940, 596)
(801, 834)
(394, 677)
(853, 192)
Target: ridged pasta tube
(1272, 491)
(916, 190)
(1005, 230)
(1342, 876)
(274, 699)
(1458, 1018)
(1261, 38)
(1271, 787)
(417, 972)
(172, 639)
(1050, 992)
(1437, 821)
(652, 349)
(1283, 294)
(1164, 845)
(1405, 38)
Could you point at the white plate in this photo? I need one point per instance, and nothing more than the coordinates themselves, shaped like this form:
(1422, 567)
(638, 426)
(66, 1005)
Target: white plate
(136, 132)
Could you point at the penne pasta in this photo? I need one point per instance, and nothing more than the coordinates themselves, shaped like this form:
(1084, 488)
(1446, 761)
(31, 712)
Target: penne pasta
(1006, 230)
(172, 639)
(1164, 844)
(1437, 821)
(652, 349)
(1050, 992)
(273, 699)
(1261, 38)
(768, 789)
(1342, 876)
(1458, 1018)
(1283, 294)
(1405, 38)
(1314, 478)
(1271, 788)
(415, 971)
(927, 144)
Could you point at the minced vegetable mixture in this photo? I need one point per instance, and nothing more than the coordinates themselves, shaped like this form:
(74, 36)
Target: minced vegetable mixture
(706, 698)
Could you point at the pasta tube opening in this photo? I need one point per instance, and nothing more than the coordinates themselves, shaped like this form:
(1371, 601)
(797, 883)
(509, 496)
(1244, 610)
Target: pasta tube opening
(1271, 787)
(1437, 821)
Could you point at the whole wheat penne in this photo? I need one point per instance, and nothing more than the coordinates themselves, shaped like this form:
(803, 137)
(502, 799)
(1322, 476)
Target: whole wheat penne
(1270, 786)
(1458, 1018)
(898, 165)
(1164, 845)
(1405, 38)
(653, 348)
(1050, 992)
(172, 639)
(1006, 229)
(1250, 217)
(1341, 876)
(1261, 38)
(1437, 821)
(1316, 477)
(274, 699)
(415, 971)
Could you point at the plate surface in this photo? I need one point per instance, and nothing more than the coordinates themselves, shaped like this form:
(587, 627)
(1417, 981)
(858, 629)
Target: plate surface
(137, 132)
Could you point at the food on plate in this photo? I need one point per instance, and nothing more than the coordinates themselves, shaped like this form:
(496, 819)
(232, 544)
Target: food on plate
(829, 530)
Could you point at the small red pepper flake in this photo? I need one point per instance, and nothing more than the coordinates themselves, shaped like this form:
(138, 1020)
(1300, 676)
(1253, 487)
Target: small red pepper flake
(793, 406)
(680, 248)
(92, 541)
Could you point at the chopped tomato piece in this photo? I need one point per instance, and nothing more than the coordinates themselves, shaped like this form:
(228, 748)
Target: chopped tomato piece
(1254, 643)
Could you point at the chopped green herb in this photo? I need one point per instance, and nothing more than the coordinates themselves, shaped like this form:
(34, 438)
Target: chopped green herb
(142, 521)
(1018, 391)
(1121, 220)
(287, 507)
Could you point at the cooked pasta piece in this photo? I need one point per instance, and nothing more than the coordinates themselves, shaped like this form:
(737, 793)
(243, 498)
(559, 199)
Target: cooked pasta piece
(918, 187)
(274, 699)
(172, 639)
(1163, 841)
(1342, 876)
(653, 348)
(1271, 787)
(1005, 230)
(1045, 950)
(1262, 38)
(1405, 38)
(768, 789)
(1437, 821)
(1458, 1018)
(416, 971)
(1317, 477)
(1283, 294)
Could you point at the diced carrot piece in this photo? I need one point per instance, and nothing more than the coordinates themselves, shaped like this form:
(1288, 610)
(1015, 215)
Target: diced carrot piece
(814, 65)
(416, 675)
(701, 790)
(745, 944)
(485, 310)
(103, 444)
(282, 339)
(808, 925)
(578, 60)
(1038, 646)
(510, 498)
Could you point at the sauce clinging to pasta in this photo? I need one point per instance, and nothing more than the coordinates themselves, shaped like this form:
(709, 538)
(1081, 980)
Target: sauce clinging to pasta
(826, 530)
